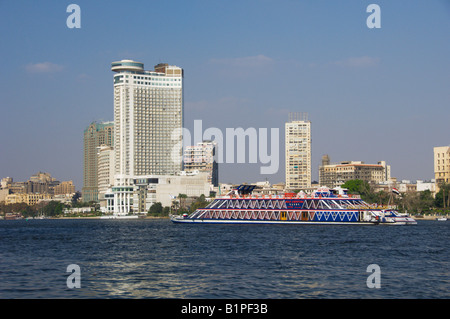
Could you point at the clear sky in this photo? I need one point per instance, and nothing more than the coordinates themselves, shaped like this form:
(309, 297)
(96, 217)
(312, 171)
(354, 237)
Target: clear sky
(371, 94)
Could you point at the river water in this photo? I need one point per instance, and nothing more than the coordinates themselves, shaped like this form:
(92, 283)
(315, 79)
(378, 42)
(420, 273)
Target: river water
(154, 258)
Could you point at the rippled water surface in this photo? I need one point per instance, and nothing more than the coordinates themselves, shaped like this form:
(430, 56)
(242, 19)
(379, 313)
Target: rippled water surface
(157, 259)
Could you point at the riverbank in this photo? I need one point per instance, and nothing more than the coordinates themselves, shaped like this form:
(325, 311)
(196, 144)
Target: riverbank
(102, 217)
(429, 217)
(417, 217)
(84, 217)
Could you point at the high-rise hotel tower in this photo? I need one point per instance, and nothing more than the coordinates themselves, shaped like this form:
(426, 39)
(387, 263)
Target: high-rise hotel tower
(298, 152)
(148, 119)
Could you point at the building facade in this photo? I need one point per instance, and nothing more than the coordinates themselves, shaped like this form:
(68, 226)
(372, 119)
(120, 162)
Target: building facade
(201, 158)
(29, 199)
(66, 187)
(95, 135)
(298, 152)
(141, 192)
(105, 172)
(441, 165)
(40, 183)
(148, 117)
(334, 175)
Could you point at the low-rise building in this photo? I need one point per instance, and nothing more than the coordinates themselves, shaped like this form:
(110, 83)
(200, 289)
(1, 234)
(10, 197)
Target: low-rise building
(334, 175)
(39, 183)
(136, 194)
(66, 187)
(441, 165)
(3, 194)
(405, 186)
(29, 199)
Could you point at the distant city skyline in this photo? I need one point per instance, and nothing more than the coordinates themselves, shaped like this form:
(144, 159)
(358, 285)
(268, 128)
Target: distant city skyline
(371, 94)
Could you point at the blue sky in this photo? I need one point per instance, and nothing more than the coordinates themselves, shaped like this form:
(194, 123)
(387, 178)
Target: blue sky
(371, 94)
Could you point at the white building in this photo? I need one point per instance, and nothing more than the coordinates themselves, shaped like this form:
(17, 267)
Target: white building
(426, 185)
(298, 152)
(407, 186)
(137, 194)
(105, 171)
(148, 118)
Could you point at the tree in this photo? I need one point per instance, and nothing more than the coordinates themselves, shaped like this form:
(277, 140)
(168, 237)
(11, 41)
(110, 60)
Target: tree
(363, 188)
(383, 197)
(182, 198)
(156, 209)
(199, 203)
(166, 211)
(353, 186)
(442, 198)
(53, 208)
(75, 198)
(24, 209)
(426, 201)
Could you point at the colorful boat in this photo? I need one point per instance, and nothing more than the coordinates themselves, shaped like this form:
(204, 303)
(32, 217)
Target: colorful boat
(323, 206)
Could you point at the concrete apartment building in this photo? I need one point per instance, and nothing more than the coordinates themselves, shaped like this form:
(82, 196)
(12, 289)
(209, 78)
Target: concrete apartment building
(95, 135)
(201, 158)
(105, 170)
(441, 165)
(66, 187)
(29, 199)
(298, 152)
(334, 175)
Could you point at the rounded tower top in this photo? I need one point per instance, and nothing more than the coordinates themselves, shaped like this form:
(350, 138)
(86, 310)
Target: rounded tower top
(127, 65)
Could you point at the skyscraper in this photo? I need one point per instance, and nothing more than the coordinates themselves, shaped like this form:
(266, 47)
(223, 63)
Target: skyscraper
(95, 135)
(298, 151)
(148, 117)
